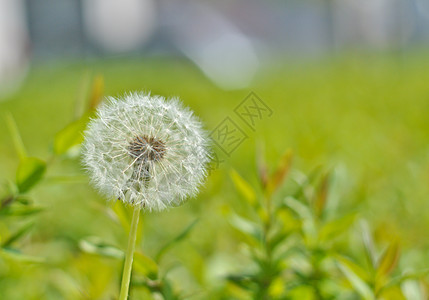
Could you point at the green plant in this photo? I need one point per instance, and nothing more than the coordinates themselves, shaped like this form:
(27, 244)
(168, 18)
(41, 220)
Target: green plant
(298, 243)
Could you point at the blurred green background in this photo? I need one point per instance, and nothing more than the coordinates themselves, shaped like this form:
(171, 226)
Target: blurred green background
(363, 116)
(347, 82)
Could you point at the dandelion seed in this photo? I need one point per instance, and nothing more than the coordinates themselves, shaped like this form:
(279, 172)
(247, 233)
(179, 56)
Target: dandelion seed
(147, 151)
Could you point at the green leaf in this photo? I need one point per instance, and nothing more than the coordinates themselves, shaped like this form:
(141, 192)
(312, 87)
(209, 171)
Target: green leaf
(356, 281)
(95, 245)
(17, 235)
(368, 244)
(16, 137)
(177, 239)
(298, 207)
(16, 255)
(395, 293)
(244, 188)
(356, 269)
(336, 227)
(30, 171)
(277, 239)
(305, 215)
(245, 281)
(246, 226)
(398, 280)
(70, 136)
(279, 175)
(321, 196)
(145, 265)
(15, 211)
(167, 290)
(304, 181)
(23, 200)
(387, 261)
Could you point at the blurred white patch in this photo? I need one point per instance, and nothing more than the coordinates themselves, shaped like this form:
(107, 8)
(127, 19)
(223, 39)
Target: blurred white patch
(413, 290)
(375, 23)
(229, 60)
(215, 45)
(119, 25)
(13, 45)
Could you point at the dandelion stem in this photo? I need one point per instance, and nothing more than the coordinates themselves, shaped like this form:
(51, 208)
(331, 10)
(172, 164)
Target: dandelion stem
(126, 275)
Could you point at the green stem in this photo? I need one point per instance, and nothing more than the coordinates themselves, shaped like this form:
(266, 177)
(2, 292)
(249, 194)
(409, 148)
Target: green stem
(126, 275)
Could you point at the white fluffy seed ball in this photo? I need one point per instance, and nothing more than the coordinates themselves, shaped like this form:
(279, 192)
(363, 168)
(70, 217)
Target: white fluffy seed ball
(146, 150)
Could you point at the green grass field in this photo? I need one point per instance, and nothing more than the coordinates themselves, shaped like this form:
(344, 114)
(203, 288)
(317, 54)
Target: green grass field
(364, 118)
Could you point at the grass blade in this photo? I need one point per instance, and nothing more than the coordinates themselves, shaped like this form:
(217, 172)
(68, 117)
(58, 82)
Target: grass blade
(16, 137)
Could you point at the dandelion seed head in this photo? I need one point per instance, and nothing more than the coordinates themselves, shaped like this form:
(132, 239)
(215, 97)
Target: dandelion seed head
(146, 150)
